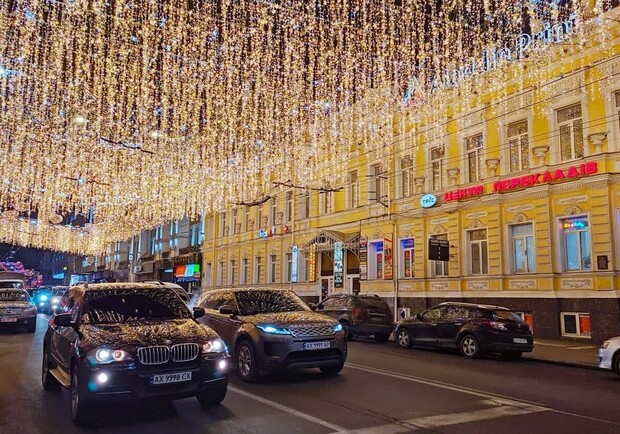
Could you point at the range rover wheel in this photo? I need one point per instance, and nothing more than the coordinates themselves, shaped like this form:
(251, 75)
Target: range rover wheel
(403, 337)
(247, 361)
(330, 371)
(213, 396)
(469, 346)
(49, 381)
(80, 405)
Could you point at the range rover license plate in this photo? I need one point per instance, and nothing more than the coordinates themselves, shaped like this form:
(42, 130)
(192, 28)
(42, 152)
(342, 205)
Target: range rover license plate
(174, 377)
(519, 340)
(8, 319)
(316, 345)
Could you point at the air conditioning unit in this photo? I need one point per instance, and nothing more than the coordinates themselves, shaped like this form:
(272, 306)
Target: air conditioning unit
(137, 268)
(404, 312)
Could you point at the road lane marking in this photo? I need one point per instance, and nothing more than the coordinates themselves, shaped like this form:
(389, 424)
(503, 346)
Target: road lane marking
(546, 344)
(589, 347)
(288, 410)
(469, 391)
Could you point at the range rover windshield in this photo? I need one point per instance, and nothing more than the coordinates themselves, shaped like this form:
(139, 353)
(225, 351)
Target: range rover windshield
(121, 306)
(255, 302)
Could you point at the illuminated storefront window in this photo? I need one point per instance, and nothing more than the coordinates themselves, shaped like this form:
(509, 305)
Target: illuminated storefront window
(406, 253)
(576, 243)
(523, 252)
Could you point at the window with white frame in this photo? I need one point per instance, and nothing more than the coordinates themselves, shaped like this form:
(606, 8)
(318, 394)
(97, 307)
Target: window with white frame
(576, 324)
(570, 127)
(259, 217)
(406, 258)
(232, 272)
(233, 221)
(326, 202)
(220, 273)
(475, 157)
(437, 166)
(243, 276)
(376, 188)
(288, 210)
(288, 267)
(523, 252)
(210, 222)
(223, 222)
(439, 268)
(208, 274)
(375, 260)
(576, 243)
(518, 145)
(478, 251)
(156, 239)
(246, 218)
(272, 268)
(406, 177)
(304, 204)
(304, 272)
(195, 234)
(273, 210)
(354, 190)
(257, 269)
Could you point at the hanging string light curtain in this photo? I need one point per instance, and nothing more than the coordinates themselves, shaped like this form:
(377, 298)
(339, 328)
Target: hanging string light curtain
(140, 112)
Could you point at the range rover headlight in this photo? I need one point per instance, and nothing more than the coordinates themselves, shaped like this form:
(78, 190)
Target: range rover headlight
(108, 355)
(214, 346)
(273, 329)
(338, 327)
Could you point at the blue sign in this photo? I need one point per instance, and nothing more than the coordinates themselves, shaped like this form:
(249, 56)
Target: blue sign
(338, 265)
(294, 264)
(407, 243)
(428, 201)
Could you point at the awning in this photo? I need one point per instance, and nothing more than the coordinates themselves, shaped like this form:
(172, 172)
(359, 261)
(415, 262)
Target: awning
(325, 241)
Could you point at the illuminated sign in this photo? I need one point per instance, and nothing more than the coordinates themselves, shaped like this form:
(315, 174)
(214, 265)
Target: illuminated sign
(338, 265)
(463, 193)
(189, 270)
(428, 200)
(266, 233)
(294, 256)
(546, 177)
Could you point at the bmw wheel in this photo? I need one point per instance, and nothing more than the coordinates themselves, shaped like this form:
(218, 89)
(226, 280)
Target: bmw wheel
(403, 337)
(247, 361)
(80, 406)
(49, 381)
(469, 346)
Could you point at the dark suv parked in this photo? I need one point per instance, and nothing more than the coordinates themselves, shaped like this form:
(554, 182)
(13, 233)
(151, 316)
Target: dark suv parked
(360, 315)
(121, 341)
(471, 328)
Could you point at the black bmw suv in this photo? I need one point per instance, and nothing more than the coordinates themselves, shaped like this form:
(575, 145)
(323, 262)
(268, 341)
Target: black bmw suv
(122, 341)
(470, 328)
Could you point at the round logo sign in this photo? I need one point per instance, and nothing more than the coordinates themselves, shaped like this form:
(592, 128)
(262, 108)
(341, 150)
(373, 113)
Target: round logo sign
(428, 200)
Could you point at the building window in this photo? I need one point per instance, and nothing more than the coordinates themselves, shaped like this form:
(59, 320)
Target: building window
(223, 231)
(257, 269)
(156, 239)
(377, 182)
(475, 157)
(576, 243)
(519, 146)
(570, 126)
(305, 275)
(437, 166)
(406, 258)
(576, 324)
(617, 104)
(195, 234)
(246, 218)
(523, 252)
(220, 273)
(288, 267)
(208, 275)
(478, 251)
(272, 268)
(232, 272)
(304, 205)
(243, 276)
(406, 177)
(289, 206)
(273, 210)
(233, 221)
(327, 202)
(375, 260)
(439, 268)
(259, 217)
(354, 190)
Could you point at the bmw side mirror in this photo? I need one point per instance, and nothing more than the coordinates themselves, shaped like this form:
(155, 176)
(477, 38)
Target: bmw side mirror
(199, 312)
(228, 310)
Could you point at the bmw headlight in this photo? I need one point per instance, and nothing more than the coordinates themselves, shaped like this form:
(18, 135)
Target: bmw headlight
(273, 329)
(108, 355)
(338, 328)
(214, 346)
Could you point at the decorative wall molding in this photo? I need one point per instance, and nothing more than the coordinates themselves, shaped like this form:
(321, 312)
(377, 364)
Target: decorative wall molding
(522, 284)
(577, 283)
(476, 215)
(475, 224)
(439, 286)
(439, 229)
(478, 284)
(572, 200)
(439, 221)
(520, 218)
(572, 210)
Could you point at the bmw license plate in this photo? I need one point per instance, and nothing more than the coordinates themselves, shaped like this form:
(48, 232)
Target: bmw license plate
(316, 345)
(519, 340)
(175, 377)
(8, 319)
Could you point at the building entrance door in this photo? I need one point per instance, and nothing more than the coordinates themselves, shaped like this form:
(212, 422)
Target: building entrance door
(352, 284)
(327, 287)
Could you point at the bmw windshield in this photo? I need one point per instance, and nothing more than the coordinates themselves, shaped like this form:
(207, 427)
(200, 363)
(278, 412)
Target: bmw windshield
(265, 301)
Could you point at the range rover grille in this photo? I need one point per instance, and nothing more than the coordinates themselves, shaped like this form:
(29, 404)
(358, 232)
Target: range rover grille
(312, 330)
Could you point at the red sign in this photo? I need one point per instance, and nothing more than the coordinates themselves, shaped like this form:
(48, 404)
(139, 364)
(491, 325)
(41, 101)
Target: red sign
(463, 193)
(546, 177)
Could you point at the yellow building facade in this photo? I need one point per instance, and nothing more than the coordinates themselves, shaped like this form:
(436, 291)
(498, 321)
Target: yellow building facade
(525, 189)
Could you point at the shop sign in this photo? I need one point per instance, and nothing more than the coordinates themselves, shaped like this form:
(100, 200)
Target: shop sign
(266, 233)
(363, 258)
(338, 265)
(294, 256)
(428, 200)
(387, 259)
(438, 250)
(546, 177)
(463, 193)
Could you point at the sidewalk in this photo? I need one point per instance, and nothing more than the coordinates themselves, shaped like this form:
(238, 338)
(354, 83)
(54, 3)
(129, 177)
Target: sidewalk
(568, 353)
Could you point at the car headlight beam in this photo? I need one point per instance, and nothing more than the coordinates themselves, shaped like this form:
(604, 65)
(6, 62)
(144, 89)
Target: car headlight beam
(214, 346)
(267, 328)
(338, 328)
(108, 355)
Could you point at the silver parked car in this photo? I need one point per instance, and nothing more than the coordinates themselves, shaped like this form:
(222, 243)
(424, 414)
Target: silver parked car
(609, 355)
(17, 309)
(271, 329)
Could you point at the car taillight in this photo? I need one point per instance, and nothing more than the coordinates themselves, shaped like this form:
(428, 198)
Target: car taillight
(494, 324)
(357, 313)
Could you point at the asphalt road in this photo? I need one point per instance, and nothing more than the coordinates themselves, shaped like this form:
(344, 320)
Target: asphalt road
(383, 389)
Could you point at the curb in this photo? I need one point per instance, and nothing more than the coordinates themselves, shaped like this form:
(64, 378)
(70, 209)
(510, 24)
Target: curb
(579, 365)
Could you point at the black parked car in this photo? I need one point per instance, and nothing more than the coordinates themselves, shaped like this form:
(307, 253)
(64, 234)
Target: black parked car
(117, 341)
(471, 328)
(360, 315)
(270, 329)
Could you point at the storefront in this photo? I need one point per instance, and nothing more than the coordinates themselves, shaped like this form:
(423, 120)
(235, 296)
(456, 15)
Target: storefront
(186, 269)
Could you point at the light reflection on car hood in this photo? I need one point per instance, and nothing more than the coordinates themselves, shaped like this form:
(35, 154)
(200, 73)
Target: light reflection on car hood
(285, 319)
